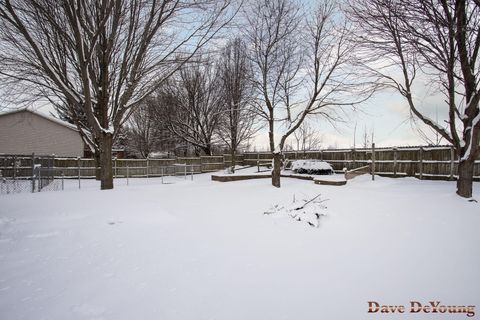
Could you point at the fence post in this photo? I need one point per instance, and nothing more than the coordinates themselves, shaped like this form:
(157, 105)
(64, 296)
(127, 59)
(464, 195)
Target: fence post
(353, 159)
(63, 178)
(394, 162)
(52, 168)
(420, 163)
(15, 167)
(39, 177)
(33, 172)
(373, 161)
(452, 162)
(79, 173)
(191, 171)
(162, 173)
(115, 167)
(147, 166)
(185, 168)
(128, 173)
(321, 155)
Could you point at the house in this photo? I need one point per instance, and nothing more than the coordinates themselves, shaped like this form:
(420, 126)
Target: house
(24, 132)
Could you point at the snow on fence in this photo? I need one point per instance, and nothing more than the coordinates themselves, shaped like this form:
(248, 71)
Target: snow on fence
(35, 173)
(422, 162)
(31, 173)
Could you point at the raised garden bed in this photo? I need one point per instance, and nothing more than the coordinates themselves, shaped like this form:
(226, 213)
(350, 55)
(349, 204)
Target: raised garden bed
(228, 178)
(330, 182)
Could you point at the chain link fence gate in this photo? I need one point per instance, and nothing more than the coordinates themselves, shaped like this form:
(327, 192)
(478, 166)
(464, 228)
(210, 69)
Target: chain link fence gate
(22, 173)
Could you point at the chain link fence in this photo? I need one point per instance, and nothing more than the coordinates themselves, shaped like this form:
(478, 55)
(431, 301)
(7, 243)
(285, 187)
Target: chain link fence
(21, 173)
(31, 173)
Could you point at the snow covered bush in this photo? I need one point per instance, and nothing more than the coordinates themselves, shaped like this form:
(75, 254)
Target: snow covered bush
(311, 167)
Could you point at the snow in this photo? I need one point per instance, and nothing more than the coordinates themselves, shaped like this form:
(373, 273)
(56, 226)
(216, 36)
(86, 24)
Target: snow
(206, 250)
(311, 165)
(244, 170)
(253, 170)
(108, 131)
(468, 152)
(304, 210)
(332, 177)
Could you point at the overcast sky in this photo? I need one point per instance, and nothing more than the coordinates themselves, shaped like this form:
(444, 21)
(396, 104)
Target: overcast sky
(386, 114)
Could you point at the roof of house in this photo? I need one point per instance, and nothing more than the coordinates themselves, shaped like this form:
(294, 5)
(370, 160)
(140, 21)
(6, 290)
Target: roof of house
(50, 118)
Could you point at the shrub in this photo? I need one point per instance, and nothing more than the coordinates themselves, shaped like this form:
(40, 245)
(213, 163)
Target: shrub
(312, 167)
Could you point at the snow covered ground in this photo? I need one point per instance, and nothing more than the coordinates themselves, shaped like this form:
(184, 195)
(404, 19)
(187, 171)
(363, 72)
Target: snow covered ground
(205, 250)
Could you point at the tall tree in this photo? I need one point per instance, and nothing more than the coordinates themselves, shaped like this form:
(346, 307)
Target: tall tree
(189, 105)
(141, 130)
(437, 42)
(234, 74)
(303, 65)
(102, 57)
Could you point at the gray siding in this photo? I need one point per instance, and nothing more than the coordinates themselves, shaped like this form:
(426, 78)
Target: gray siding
(25, 132)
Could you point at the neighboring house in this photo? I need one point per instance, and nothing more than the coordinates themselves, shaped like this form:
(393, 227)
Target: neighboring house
(24, 132)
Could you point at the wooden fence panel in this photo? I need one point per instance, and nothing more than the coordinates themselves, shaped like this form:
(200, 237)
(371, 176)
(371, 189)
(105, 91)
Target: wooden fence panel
(433, 162)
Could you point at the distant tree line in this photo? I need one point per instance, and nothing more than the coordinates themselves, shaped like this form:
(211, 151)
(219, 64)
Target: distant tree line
(206, 106)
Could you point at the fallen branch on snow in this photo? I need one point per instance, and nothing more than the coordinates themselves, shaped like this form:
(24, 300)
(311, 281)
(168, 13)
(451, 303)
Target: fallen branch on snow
(307, 210)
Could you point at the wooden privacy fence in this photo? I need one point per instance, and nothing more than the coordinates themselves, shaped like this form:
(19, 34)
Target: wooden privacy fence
(142, 167)
(18, 166)
(421, 162)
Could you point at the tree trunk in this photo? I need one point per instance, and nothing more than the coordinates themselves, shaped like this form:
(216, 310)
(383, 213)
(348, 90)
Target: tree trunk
(277, 158)
(233, 160)
(106, 170)
(208, 150)
(465, 178)
(96, 157)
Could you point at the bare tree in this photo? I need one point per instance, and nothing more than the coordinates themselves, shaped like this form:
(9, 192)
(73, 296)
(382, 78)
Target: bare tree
(141, 129)
(367, 137)
(303, 65)
(102, 58)
(437, 42)
(75, 115)
(234, 73)
(189, 105)
(426, 133)
(307, 138)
